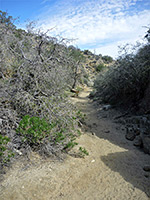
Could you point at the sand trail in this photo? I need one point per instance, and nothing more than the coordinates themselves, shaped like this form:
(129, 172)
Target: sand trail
(112, 171)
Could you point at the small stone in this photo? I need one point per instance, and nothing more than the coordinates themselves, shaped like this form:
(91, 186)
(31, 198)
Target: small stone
(137, 131)
(93, 134)
(94, 124)
(144, 120)
(137, 141)
(130, 135)
(89, 126)
(17, 151)
(107, 107)
(146, 168)
(92, 161)
(146, 175)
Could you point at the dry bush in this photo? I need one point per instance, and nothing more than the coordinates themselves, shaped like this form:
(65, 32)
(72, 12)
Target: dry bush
(37, 69)
(126, 81)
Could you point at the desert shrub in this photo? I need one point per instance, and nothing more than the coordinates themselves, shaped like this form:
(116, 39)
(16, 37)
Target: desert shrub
(39, 134)
(55, 131)
(125, 82)
(87, 52)
(5, 153)
(38, 70)
(100, 67)
(107, 59)
(34, 129)
(70, 144)
(83, 151)
(76, 54)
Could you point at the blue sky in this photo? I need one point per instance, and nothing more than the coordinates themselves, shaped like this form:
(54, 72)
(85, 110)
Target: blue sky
(98, 25)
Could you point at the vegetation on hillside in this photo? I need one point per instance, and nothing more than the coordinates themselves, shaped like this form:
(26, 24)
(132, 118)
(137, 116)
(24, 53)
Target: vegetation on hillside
(36, 71)
(126, 81)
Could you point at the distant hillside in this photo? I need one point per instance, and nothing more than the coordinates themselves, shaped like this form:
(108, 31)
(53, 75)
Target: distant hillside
(96, 63)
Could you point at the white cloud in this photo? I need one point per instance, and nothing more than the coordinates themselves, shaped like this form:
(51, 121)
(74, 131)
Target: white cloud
(113, 49)
(97, 22)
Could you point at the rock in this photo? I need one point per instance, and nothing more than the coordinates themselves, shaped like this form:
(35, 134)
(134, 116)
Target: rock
(138, 141)
(146, 168)
(90, 83)
(123, 122)
(107, 107)
(130, 135)
(17, 151)
(143, 120)
(146, 175)
(94, 124)
(97, 57)
(137, 130)
(146, 142)
(1, 122)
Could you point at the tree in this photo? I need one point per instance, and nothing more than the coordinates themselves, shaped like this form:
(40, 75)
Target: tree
(7, 20)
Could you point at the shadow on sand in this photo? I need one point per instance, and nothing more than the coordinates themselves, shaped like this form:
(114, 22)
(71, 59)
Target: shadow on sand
(125, 164)
(128, 164)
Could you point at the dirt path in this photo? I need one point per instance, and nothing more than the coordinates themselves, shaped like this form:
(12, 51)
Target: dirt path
(112, 171)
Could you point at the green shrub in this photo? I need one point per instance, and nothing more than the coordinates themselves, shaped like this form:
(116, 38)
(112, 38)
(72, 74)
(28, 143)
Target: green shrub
(83, 151)
(100, 67)
(70, 145)
(107, 59)
(5, 154)
(76, 54)
(79, 115)
(59, 137)
(34, 129)
(79, 132)
(3, 141)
